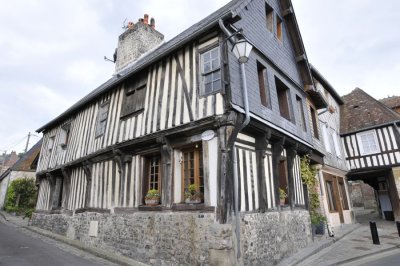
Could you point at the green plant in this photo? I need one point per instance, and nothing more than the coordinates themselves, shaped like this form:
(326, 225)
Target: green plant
(192, 193)
(21, 196)
(308, 174)
(317, 218)
(152, 194)
(282, 194)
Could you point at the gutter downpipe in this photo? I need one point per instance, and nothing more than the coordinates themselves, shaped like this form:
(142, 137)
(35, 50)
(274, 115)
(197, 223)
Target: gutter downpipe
(232, 143)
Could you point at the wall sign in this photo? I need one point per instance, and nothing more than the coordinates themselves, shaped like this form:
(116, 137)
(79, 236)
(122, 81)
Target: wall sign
(207, 135)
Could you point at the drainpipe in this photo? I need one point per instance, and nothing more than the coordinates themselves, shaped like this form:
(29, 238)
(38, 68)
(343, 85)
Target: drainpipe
(234, 137)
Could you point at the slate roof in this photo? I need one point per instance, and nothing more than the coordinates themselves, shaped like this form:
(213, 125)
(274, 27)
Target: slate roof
(361, 111)
(391, 102)
(25, 163)
(230, 10)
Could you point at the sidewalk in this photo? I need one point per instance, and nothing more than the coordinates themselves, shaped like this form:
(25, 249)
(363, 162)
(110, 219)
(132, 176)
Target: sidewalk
(351, 242)
(18, 221)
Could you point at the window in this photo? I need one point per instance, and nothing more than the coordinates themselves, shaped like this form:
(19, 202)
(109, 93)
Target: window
(337, 145)
(269, 12)
(50, 143)
(263, 84)
(344, 196)
(314, 122)
(279, 28)
(210, 71)
(135, 93)
(154, 173)
(300, 110)
(330, 196)
(325, 135)
(283, 98)
(102, 119)
(65, 132)
(192, 169)
(368, 142)
(283, 179)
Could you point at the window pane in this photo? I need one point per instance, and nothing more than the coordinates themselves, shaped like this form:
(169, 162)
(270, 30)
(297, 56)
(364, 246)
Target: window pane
(207, 88)
(217, 75)
(215, 64)
(216, 85)
(215, 53)
(207, 67)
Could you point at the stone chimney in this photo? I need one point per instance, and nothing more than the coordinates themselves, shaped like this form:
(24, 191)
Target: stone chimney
(137, 39)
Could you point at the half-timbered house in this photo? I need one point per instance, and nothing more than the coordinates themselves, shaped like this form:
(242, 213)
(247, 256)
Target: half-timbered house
(188, 112)
(370, 135)
(334, 195)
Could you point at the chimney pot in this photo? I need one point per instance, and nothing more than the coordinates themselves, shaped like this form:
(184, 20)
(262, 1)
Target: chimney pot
(146, 19)
(152, 23)
(130, 25)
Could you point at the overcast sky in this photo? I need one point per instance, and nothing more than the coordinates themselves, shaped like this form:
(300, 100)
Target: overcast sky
(52, 51)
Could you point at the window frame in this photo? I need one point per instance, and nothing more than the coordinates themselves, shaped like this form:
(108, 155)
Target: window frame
(65, 135)
(279, 28)
(198, 165)
(314, 122)
(336, 143)
(374, 138)
(135, 85)
(283, 92)
(203, 74)
(330, 196)
(101, 119)
(263, 85)
(300, 109)
(325, 137)
(269, 18)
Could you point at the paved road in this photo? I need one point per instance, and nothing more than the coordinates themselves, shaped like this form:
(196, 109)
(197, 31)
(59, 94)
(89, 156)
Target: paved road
(20, 247)
(390, 258)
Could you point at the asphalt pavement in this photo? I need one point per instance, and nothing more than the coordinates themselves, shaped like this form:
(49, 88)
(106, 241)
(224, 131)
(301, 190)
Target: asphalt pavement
(20, 249)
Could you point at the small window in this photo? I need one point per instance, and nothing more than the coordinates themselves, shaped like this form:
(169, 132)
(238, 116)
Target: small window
(330, 196)
(283, 182)
(279, 28)
(154, 173)
(269, 12)
(102, 119)
(343, 195)
(50, 143)
(314, 122)
(210, 71)
(325, 135)
(263, 84)
(65, 132)
(135, 93)
(300, 110)
(368, 142)
(283, 98)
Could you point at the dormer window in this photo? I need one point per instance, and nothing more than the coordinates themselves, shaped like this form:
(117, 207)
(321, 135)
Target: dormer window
(210, 68)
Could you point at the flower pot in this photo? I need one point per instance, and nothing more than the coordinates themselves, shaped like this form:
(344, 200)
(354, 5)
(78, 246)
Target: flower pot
(282, 202)
(152, 202)
(192, 201)
(318, 229)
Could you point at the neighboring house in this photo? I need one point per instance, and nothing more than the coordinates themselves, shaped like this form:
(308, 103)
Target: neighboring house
(370, 134)
(23, 168)
(172, 116)
(7, 160)
(392, 102)
(332, 172)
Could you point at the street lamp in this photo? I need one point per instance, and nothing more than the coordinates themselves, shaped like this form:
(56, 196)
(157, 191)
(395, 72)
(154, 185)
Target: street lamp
(241, 49)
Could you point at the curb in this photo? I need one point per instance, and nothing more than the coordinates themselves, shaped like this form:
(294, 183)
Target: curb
(112, 257)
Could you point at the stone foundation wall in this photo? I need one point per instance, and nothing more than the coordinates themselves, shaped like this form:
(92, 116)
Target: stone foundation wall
(270, 237)
(185, 238)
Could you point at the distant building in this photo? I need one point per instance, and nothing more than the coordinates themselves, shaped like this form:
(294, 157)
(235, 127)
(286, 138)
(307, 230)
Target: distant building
(25, 167)
(392, 102)
(371, 137)
(7, 160)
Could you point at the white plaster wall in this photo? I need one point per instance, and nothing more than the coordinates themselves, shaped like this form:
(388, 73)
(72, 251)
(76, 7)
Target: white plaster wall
(3, 190)
(213, 169)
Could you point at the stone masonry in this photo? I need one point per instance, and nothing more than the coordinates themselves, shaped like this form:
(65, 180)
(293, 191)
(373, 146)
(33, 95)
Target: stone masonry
(185, 238)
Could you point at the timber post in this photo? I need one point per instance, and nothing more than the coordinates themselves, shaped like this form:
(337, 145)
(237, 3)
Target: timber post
(87, 168)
